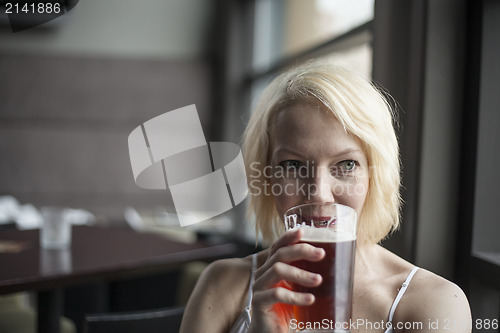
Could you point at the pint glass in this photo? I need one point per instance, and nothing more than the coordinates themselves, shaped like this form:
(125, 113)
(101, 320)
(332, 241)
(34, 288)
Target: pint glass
(332, 227)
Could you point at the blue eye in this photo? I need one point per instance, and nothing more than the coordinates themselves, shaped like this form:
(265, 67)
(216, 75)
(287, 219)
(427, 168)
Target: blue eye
(348, 165)
(291, 164)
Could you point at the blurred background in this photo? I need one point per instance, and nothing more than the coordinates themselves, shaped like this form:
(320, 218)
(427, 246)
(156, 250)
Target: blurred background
(72, 90)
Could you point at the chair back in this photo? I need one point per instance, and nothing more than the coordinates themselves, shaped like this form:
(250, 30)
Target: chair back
(155, 321)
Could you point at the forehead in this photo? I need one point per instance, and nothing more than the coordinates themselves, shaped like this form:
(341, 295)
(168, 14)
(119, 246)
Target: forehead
(309, 127)
(300, 115)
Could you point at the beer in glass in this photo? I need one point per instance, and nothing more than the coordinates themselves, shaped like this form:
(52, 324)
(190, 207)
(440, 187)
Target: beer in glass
(331, 227)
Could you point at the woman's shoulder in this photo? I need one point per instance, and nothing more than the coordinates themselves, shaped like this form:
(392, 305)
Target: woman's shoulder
(428, 287)
(235, 271)
(431, 298)
(219, 296)
(230, 275)
(228, 269)
(428, 297)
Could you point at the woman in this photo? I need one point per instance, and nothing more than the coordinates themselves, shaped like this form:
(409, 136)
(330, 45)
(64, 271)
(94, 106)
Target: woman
(323, 134)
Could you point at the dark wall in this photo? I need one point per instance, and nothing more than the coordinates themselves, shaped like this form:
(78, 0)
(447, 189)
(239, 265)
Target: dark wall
(64, 124)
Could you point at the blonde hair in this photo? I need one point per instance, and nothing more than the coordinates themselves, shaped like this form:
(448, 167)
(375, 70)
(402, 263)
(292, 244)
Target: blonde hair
(363, 111)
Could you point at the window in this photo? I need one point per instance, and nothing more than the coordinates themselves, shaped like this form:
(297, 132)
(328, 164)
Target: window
(296, 30)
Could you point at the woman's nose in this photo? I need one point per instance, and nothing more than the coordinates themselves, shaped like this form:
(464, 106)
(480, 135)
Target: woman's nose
(320, 187)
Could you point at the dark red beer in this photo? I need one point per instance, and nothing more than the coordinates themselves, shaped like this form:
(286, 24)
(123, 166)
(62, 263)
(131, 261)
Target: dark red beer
(333, 298)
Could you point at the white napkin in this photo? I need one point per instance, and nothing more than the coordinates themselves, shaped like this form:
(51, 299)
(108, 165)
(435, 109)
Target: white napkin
(9, 207)
(29, 217)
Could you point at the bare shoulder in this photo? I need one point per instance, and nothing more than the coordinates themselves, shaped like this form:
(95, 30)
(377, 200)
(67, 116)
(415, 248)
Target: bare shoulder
(440, 305)
(218, 297)
(229, 275)
(227, 272)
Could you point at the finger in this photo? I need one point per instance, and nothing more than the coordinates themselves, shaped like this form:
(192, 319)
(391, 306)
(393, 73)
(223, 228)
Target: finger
(288, 238)
(292, 253)
(281, 271)
(269, 297)
(301, 251)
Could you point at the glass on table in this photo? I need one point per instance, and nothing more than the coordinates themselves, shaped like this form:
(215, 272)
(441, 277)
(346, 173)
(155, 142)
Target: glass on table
(55, 232)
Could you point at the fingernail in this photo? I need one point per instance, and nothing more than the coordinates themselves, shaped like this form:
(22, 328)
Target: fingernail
(309, 298)
(319, 251)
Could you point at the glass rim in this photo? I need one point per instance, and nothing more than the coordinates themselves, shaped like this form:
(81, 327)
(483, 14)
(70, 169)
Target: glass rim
(340, 211)
(321, 204)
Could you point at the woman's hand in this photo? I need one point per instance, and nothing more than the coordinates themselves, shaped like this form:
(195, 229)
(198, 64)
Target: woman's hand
(268, 315)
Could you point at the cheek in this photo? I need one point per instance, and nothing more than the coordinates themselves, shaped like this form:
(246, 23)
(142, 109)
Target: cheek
(359, 190)
(352, 191)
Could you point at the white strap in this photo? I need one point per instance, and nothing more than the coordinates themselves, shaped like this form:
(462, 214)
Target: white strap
(401, 293)
(252, 279)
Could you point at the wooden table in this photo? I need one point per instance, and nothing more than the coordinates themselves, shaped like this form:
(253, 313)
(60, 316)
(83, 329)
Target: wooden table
(96, 254)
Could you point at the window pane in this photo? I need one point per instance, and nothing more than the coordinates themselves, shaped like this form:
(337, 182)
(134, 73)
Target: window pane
(285, 28)
(310, 23)
(357, 59)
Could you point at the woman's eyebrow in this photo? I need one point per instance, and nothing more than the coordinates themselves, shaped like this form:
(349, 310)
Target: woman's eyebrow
(346, 151)
(284, 150)
(349, 151)
(277, 153)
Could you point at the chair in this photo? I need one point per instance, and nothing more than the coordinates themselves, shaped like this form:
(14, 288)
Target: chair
(154, 321)
(17, 317)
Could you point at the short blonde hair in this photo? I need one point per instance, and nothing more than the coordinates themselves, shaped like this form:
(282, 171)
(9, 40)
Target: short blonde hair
(363, 111)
